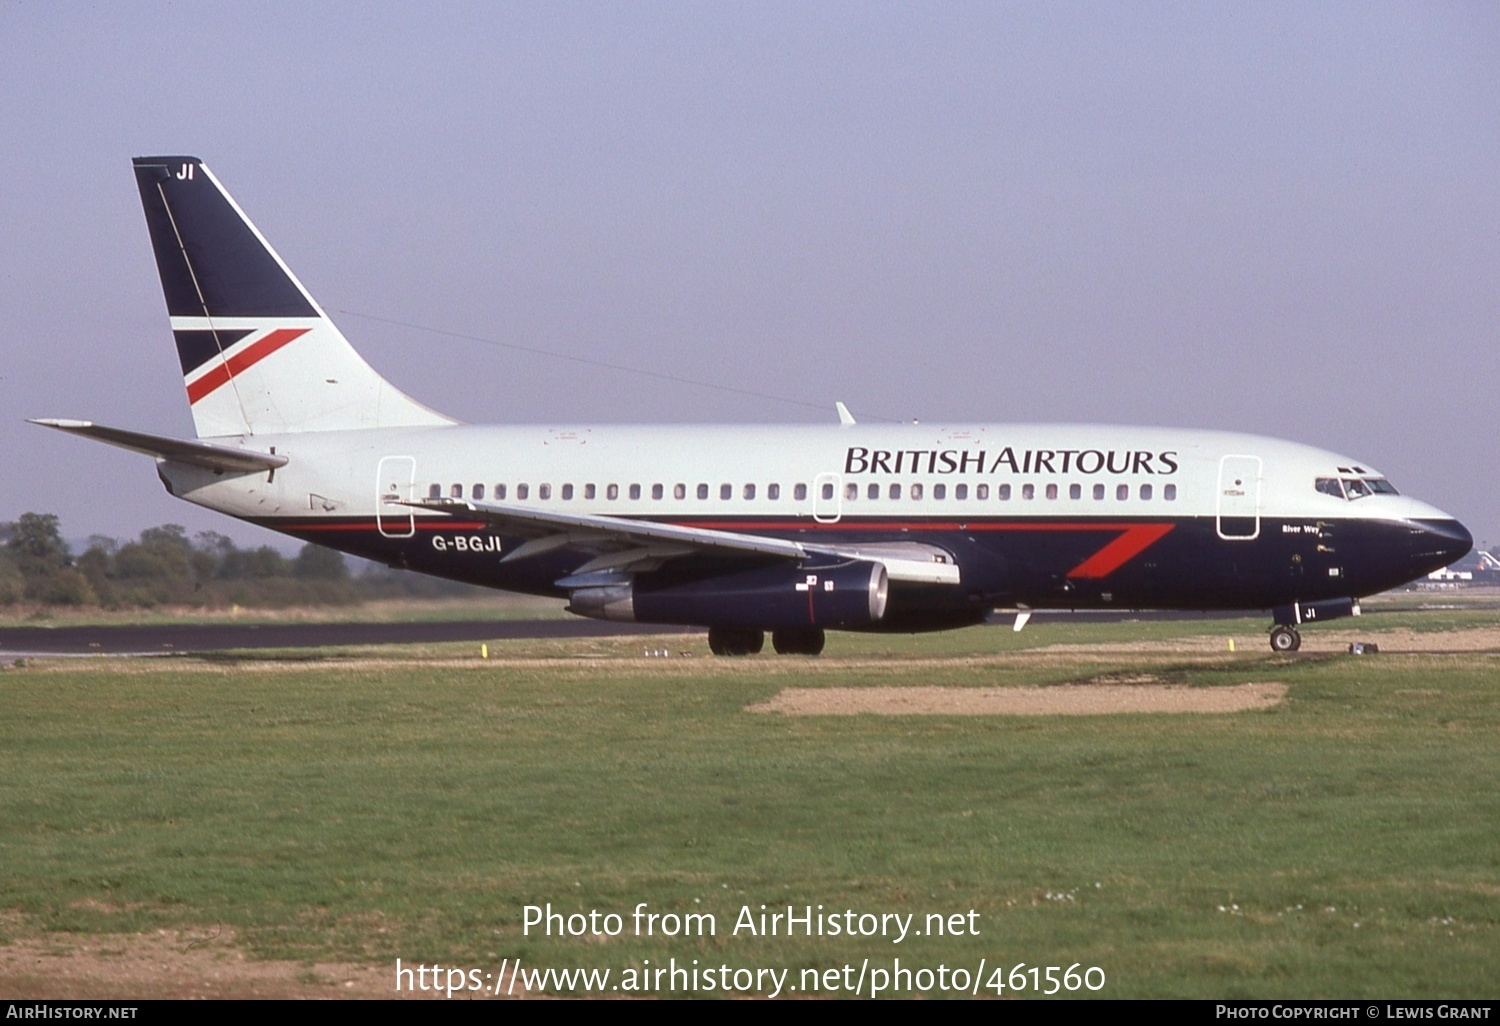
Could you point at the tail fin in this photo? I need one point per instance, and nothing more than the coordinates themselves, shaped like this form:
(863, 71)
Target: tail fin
(259, 356)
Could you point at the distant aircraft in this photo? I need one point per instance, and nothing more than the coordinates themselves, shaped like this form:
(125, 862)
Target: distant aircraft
(742, 530)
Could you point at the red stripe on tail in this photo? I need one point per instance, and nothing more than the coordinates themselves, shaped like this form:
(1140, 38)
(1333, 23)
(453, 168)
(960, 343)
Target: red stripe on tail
(242, 361)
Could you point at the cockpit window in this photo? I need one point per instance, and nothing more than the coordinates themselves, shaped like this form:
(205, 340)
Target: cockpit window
(1352, 488)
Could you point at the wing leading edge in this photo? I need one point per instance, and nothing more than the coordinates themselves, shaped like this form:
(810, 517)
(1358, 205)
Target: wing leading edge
(625, 543)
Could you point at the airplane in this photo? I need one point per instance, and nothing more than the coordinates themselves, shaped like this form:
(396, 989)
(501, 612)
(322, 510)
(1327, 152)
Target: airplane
(795, 530)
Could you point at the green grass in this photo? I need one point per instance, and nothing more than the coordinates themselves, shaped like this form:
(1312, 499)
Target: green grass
(383, 807)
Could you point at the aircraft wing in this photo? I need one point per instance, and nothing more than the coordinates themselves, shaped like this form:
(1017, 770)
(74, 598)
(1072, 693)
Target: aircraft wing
(625, 543)
(222, 458)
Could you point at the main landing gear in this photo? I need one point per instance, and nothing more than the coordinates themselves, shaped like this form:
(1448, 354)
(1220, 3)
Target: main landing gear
(1285, 638)
(741, 641)
(735, 641)
(804, 641)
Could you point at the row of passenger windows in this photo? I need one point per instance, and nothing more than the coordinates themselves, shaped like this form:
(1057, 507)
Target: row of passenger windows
(852, 492)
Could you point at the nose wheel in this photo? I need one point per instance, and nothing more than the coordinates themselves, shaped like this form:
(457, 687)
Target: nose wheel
(1285, 639)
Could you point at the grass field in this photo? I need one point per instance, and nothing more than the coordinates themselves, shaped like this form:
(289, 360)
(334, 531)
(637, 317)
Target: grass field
(365, 806)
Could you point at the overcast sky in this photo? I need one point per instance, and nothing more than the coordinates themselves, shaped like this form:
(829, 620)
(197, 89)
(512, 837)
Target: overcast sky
(1282, 219)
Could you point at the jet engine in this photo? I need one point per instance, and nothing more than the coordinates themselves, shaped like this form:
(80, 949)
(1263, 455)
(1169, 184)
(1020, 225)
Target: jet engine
(844, 594)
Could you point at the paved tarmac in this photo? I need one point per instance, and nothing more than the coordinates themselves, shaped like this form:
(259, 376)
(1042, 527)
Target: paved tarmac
(160, 639)
(124, 639)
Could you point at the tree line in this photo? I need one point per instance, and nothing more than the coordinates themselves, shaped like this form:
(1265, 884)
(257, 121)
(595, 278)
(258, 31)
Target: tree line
(164, 566)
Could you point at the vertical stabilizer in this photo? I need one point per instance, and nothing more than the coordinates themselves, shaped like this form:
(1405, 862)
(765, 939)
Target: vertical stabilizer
(259, 356)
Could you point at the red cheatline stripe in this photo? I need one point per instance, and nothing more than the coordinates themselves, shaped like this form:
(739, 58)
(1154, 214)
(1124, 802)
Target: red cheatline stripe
(242, 361)
(421, 524)
(1132, 541)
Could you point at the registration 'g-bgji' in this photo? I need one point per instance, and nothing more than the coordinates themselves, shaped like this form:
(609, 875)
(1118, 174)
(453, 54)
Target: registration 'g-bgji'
(742, 530)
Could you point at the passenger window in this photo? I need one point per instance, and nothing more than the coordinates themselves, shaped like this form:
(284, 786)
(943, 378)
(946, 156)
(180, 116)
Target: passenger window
(1075, 491)
(960, 492)
(827, 490)
(567, 492)
(773, 491)
(1169, 493)
(635, 492)
(726, 492)
(588, 491)
(1098, 492)
(750, 491)
(1052, 491)
(982, 492)
(1003, 493)
(895, 491)
(939, 491)
(1028, 491)
(499, 491)
(1145, 491)
(612, 492)
(522, 491)
(478, 493)
(656, 491)
(456, 491)
(1122, 492)
(679, 491)
(873, 492)
(435, 491)
(544, 491)
(799, 492)
(703, 491)
(851, 491)
(916, 491)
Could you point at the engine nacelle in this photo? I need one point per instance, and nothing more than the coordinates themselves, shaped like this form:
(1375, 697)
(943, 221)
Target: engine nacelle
(845, 594)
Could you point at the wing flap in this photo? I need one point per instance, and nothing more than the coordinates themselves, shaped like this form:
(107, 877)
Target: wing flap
(625, 542)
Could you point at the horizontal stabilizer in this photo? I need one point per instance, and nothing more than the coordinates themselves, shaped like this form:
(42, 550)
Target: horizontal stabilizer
(198, 454)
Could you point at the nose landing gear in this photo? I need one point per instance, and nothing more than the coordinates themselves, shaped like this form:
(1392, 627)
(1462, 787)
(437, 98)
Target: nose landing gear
(1285, 638)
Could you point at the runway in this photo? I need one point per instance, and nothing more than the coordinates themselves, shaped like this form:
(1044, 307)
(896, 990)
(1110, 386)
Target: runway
(162, 639)
(124, 639)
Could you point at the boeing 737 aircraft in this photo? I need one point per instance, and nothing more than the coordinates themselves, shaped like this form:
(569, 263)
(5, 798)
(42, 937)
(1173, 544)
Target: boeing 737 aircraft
(742, 530)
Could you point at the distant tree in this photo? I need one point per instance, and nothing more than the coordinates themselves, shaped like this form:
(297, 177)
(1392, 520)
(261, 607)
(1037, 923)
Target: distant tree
(319, 563)
(174, 535)
(35, 541)
(36, 548)
(12, 584)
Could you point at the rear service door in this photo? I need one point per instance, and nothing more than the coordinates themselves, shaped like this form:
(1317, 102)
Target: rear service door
(1239, 498)
(394, 481)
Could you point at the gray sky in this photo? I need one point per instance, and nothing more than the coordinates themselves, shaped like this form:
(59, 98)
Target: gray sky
(1275, 218)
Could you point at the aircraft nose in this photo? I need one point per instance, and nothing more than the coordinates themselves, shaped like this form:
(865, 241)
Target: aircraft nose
(1440, 542)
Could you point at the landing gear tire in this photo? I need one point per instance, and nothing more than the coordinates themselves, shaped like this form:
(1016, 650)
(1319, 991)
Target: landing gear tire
(735, 641)
(1285, 639)
(803, 641)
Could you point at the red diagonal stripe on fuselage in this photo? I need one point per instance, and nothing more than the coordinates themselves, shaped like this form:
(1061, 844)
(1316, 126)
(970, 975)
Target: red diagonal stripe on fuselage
(1133, 539)
(242, 361)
